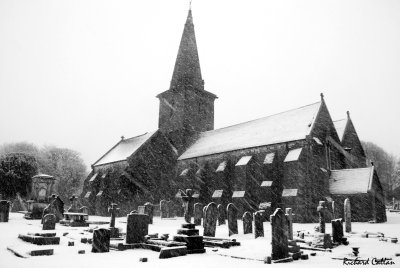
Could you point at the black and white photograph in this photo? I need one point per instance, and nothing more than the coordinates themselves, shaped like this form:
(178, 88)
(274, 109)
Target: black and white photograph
(199, 133)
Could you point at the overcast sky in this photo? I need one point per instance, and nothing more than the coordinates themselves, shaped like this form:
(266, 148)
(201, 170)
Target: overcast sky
(81, 73)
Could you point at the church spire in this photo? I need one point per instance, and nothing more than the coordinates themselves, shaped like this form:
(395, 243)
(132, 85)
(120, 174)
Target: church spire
(187, 71)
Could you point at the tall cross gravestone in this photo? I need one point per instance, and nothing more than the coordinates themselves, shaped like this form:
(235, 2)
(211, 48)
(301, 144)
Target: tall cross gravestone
(347, 215)
(210, 220)
(279, 228)
(247, 223)
(289, 216)
(258, 220)
(322, 214)
(113, 209)
(198, 213)
(221, 214)
(187, 198)
(231, 212)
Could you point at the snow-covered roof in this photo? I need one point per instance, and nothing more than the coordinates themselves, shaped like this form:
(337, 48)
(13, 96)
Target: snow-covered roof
(293, 155)
(351, 181)
(123, 149)
(291, 125)
(340, 126)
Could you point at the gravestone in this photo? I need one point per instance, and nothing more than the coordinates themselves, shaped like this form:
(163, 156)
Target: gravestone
(113, 209)
(140, 209)
(279, 228)
(49, 222)
(163, 209)
(149, 210)
(289, 216)
(4, 210)
(247, 223)
(210, 220)
(101, 240)
(85, 210)
(74, 204)
(231, 212)
(55, 207)
(337, 230)
(188, 199)
(221, 214)
(204, 215)
(322, 215)
(171, 210)
(258, 220)
(137, 228)
(347, 215)
(198, 213)
(333, 210)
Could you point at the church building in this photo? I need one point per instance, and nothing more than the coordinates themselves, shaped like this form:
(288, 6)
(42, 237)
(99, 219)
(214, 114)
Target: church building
(292, 159)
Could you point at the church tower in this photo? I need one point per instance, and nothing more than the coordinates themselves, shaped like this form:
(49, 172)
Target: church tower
(186, 108)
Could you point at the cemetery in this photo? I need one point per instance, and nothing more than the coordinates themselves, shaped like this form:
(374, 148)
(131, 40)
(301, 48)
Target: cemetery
(201, 237)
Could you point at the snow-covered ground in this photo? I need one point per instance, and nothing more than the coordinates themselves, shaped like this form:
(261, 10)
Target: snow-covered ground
(254, 250)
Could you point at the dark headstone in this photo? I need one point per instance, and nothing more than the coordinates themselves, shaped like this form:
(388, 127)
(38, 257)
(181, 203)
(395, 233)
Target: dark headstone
(198, 213)
(113, 209)
(4, 210)
(149, 210)
(221, 214)
(204, 215)
(247, 223)
(279, 227)
(210, 220)
(188, 200)
(337, 230)
(231, 212)
(163, 209)
(347, 215)
(258, 224)
(137, 228)
(322, 210)
(49, 222)
(55, 207)
(101, 240)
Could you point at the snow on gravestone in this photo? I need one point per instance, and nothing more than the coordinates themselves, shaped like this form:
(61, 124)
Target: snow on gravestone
(221, 214)
(198, 213)
(210, 220)
(347, 215)
(101, 240)
(137, 227)
(231, 212)
(247, 223)
(258, 224)
(49, 222)
(279, 228)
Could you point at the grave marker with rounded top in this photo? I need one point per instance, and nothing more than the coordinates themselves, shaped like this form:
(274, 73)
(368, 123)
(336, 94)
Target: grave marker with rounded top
(258, 219)
(210, 220)
(49, 222)
(231, 212)
(163, 209)
(279, 228)
(289, 216)
(221, 214)
(137, 227)
(347, 215)
(247, 223)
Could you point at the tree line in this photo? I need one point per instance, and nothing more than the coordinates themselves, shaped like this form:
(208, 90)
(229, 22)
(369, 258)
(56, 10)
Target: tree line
(20, 161)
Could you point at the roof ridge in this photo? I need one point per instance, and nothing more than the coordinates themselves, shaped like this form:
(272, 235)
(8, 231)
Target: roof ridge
(344, 169)
(334, 121)
(298, 108)
(139, 135)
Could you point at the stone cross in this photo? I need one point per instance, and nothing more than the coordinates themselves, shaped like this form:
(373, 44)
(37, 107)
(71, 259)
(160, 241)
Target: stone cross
(198, 213)
(221, 214)
(49, 222)
(247, 223)
(322, 214)
(289, 216)
(258, 224)
(101, 240)
(210, 220)
(187, 198)
(347, 215)
(137, 227)
(231, 212)
(113, 210)
(279, 228)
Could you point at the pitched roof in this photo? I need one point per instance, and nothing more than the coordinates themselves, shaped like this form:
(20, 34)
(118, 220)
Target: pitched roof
(291, 125)
(123, 149)
(351, 181)
(340, 126)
